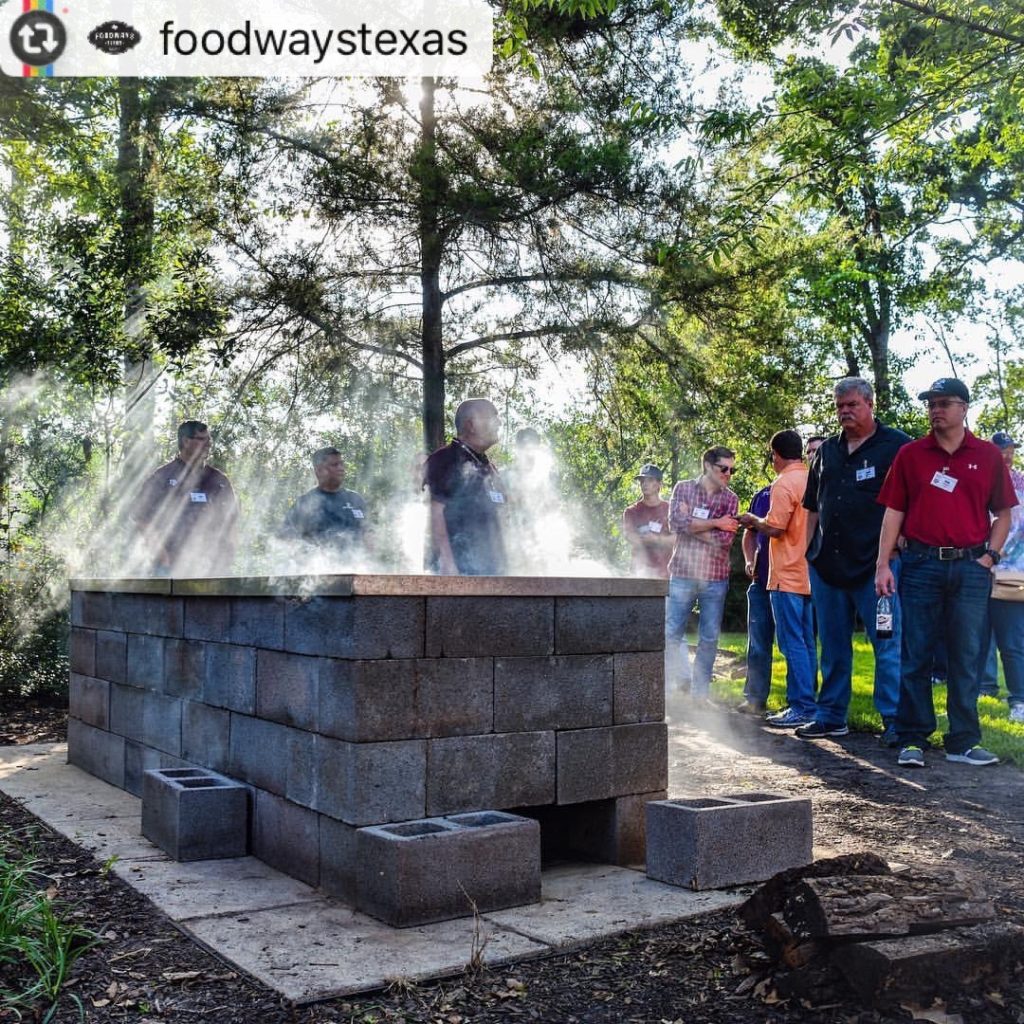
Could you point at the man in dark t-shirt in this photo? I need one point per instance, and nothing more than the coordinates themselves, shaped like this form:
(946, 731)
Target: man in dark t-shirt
(329, 516)
(467, 499)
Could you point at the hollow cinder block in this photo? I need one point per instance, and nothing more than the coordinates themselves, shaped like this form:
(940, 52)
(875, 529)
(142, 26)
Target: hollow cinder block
(639, 687)
(573, 692)
(712, 842)
(195, 814)
(96, 751)
(436, 869)
(89, 700)
(606, 625)
(594, 764)
(468, 627)
(355, 627)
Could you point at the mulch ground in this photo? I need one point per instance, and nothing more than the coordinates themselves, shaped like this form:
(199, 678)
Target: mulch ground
(708, 971)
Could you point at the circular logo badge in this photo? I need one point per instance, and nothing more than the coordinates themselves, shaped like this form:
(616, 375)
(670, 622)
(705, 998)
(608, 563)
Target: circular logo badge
(38, 38)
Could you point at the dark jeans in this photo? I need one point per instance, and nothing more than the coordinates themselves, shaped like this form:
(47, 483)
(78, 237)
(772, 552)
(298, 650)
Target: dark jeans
(760, 636)
(942, 599)
(1008, 629)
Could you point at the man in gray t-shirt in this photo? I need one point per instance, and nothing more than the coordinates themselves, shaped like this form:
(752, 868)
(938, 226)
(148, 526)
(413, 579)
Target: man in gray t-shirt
(328, 516)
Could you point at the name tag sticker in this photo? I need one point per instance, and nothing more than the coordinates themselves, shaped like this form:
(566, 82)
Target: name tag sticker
(701, 513)
(867, 473)
(497, 497)
(654, 527)
(944, 481)
(357, 513)
(197, 497)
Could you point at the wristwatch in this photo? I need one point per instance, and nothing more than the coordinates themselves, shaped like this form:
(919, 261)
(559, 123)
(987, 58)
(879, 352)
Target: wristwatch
(994, 555)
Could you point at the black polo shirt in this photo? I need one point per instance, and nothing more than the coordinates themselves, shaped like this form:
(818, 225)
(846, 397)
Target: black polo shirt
(842, 488)
(331, 518)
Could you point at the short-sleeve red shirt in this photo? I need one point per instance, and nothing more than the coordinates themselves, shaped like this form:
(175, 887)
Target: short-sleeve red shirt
(958, 518)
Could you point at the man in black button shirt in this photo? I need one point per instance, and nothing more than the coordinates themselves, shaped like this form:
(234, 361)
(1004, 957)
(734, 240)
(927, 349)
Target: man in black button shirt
(843, 523)
(329, 516)
(467, 499)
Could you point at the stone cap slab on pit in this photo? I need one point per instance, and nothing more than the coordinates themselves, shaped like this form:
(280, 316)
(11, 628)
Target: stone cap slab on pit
(381, 586)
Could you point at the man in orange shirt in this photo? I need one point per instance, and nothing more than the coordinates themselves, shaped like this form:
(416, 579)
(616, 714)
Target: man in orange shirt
(789, 585)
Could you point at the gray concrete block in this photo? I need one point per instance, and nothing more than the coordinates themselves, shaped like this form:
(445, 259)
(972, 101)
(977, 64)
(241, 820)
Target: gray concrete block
(369, 783)
(111, 655)
(467, 627)
(161, 722)
(503, 770)
(338, 858)
(89, 700)
(126, 711)
(355, 627)
(95, 610)
(532, 694)
(286, 688)
(257, 621)
(96, 751)
(184, 668)
(436, 869)
(593, 625)
(639, 687)
(83, 651)
(139, 759)
(259, 753)
(230, 677)
(145, 662)
(368, 701)
(152, 614)
(207, 618)
(287, 837)
(77, 607)
(195, 814)
(206, 735)
(712, 842)
(594, 764)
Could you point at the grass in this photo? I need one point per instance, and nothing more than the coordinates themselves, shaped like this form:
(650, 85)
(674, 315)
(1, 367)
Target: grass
(998, 733)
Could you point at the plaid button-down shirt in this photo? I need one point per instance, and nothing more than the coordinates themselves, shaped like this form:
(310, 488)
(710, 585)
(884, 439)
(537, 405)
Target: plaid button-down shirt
(695, 558)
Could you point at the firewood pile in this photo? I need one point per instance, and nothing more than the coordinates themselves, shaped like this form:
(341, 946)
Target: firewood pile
(906, 937)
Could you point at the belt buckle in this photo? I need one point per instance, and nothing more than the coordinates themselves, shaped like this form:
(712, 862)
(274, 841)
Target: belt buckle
(949, 554)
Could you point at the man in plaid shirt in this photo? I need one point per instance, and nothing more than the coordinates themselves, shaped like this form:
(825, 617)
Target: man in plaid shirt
(702, 515)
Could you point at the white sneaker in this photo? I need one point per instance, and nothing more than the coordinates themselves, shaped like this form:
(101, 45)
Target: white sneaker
(1017, 712)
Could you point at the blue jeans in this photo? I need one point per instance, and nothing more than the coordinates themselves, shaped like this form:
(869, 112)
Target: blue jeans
(836, 608)
(709, 596)
(989, 679)
(794, 630)
(760, 636)
(947, 599)
(1008, 629)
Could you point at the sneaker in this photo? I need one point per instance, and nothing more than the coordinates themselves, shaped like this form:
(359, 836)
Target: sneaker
(790, 718)
(911, 757)
(819, 730)
(974, 755)
(1017, 712)
(749, 707)
(889, 738)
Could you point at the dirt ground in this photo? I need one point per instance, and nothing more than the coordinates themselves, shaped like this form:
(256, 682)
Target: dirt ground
(708, 971)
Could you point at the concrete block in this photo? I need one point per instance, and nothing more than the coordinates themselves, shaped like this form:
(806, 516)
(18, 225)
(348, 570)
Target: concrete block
(287, 837)
(205, 735)
(139, 759)
(594, 764)
(89, 700)
(467, 627)
(126, 711)
(355, 627)
(593, 625)
(83, 651)
(195, 814)
(152, 614)
(273, 757)
(206, 618)
(98, 752)
(639, 687)
(369, 783)
(286, 688)
(338, 858)
(111, 655)
(247, 621)
(532, 694)
(230, 677)
(145, 662)
(503, 770)
(93, 610)
(368, 701)
(184, 668)
(712, 842)
(419, 872)
(161, 723)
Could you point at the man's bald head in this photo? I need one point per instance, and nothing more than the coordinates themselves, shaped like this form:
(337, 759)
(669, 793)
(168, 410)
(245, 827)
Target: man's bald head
(476, 423)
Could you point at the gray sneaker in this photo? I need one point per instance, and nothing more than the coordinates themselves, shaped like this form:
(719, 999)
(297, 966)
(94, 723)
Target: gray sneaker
(974, 755)
(911, 757)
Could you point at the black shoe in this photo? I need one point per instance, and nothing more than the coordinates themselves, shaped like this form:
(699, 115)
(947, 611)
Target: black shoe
(818, 731)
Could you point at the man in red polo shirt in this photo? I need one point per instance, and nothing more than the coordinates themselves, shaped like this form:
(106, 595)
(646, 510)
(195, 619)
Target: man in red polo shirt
(939, 493)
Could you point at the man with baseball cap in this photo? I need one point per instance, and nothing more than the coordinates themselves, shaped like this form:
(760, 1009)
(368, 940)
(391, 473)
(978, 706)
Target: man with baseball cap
(645, 526)
(950, 495)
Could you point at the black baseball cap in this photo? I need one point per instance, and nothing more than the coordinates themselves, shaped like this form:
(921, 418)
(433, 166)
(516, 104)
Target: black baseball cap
(947, 387)
(650, 469)
(1001, 439)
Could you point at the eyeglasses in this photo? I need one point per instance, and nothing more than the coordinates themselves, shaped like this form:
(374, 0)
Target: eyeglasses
(944, 403)
(724, 469)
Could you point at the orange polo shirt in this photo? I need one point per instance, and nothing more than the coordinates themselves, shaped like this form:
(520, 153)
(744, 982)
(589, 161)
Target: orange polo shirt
(787, 561)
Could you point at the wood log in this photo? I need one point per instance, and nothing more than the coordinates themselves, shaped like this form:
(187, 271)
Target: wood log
(918, 968)
(881, 906)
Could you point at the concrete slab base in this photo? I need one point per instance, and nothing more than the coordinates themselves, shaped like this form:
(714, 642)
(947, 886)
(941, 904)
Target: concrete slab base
(305, 946)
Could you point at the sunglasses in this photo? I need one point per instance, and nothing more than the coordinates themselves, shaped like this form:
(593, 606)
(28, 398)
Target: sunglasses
(724, 469)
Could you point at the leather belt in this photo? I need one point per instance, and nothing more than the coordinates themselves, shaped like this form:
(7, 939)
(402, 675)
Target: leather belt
(946, 554)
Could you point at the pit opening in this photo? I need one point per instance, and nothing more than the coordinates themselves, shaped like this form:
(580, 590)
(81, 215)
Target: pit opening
(206, 783)
(183, 773)
(480, 819)
(700, 803)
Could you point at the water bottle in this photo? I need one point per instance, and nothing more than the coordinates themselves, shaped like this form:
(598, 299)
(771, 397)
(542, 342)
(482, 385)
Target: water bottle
(883, 618)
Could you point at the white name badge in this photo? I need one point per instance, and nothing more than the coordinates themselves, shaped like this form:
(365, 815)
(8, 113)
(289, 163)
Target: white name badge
(357, 513)
(497, 497)
(943, 481)
(701, 513)
(197, 497)
(867, 473)
(654, 527)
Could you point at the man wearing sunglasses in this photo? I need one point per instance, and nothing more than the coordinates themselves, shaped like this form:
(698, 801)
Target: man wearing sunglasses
(702, 515)
(950, 495)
